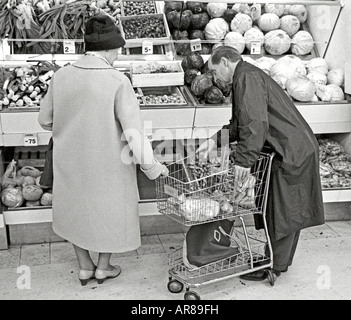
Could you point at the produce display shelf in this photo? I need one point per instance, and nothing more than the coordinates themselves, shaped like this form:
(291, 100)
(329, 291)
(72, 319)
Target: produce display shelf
(27, 215)
(44, 214)
(336, 195)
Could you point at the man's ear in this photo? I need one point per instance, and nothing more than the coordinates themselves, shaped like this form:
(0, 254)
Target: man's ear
(225, 61)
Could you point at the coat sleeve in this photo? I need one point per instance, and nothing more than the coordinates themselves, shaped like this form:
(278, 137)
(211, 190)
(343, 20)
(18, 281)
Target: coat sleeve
(250, 98)
(46, 112)
(127, 112)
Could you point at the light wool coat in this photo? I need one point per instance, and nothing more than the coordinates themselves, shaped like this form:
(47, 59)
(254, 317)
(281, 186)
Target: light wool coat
(95, 196)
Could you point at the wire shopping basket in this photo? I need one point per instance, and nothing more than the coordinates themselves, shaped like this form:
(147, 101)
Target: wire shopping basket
(198, 191)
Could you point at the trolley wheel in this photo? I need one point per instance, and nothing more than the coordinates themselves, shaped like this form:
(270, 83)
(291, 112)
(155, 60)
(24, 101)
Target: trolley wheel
(271, 277)
(191, 295)
(175, 286)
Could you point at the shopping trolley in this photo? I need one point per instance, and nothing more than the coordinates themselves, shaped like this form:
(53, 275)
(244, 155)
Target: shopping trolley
(197, 192)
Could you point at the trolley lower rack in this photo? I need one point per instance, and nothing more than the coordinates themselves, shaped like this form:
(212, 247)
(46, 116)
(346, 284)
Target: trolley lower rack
(252, 257)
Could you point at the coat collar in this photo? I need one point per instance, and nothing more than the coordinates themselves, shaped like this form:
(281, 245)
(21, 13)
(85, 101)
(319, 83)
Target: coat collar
(91, 62)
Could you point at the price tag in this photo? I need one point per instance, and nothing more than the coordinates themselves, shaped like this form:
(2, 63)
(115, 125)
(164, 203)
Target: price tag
(30, 140)
(147, 47)
(195, 45)
(256, 47)
(69, 47)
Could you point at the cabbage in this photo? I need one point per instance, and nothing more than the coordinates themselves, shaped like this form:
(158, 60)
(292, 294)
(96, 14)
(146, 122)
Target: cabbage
(242, 8)
(302, 43)
(286, 9)
(290, 24)
(255, 11)
(336, 76)
(253, 34)
(265, 64)
(216, 29)
(317, 77)
(330, 92)
(319, 65)
(12, 197)
(241, 23)
(301, 88)
(277, 42)
(217, 45)
(285, 68)
(268, 22)
(299, 11)
(337, 94)
(235, 40)
(216, 10)
(278, 9)
(249, 60)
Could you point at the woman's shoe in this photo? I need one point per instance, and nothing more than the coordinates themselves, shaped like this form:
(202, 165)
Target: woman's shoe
(85, 275)
(102, 275)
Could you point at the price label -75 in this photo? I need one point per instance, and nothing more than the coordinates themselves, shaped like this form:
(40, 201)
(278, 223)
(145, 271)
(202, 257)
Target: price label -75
(30, 140)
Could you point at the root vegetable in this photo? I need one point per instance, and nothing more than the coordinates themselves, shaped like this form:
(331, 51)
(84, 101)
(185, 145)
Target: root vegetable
(32, 192)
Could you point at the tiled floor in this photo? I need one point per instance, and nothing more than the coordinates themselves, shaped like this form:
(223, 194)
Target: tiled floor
(323, 251)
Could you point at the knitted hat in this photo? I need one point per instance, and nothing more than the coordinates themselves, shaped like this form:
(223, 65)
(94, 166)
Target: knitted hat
(101, 33)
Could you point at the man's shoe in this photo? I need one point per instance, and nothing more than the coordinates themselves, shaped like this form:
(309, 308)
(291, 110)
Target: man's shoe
(259, 275)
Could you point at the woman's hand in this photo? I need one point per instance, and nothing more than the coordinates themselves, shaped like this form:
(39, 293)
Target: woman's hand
(164, 171)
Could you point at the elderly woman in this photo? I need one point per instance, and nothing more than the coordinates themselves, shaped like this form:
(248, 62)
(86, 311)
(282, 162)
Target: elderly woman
(95, 120)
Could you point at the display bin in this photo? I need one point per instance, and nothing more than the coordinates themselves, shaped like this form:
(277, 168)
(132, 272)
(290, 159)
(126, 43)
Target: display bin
(162, 96)
(127, 13)
(137, 42)
(156, 79)
(3, 234)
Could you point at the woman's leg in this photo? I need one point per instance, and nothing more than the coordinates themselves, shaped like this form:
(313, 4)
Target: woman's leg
(104, 262)
(84, 259)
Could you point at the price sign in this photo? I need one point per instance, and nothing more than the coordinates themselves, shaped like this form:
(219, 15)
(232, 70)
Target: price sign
(195, 45)
(147, 47)
(69, 47)
(255, 47)
(30, 140)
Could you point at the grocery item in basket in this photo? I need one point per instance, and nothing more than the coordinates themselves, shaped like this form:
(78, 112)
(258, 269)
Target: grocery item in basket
(30, 171)
(32, 203)
(12, 197)
(9, 177)
(207, 243)
(32, 192)
(199, 209)
(46, 199)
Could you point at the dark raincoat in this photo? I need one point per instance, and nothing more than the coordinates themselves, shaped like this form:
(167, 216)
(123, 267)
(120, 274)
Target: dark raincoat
(263, 114)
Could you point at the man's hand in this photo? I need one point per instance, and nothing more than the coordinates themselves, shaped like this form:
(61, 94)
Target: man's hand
(241, 174)
(206, 147)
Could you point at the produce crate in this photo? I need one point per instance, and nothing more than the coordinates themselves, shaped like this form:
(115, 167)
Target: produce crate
(133, 42)
(165, 95)
(30, 156)
(151, 78)
(3, 234)
(126, 10)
